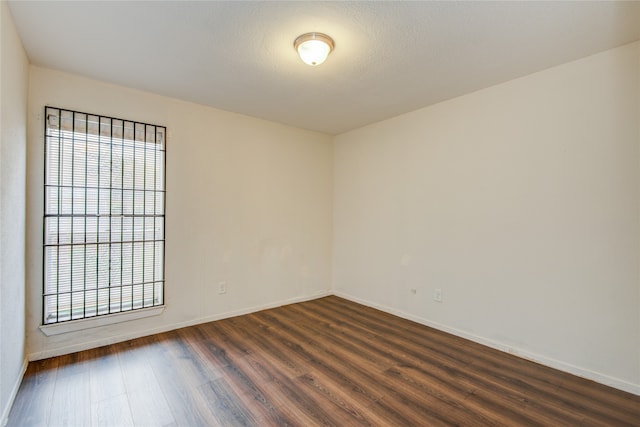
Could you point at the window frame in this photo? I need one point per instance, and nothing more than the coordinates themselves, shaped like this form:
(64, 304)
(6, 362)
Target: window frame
(158, 187)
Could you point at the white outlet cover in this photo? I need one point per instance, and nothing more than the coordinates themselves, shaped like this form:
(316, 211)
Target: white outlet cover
(222, 287)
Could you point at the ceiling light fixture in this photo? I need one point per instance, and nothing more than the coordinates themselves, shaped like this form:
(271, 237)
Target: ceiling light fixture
(313, 48)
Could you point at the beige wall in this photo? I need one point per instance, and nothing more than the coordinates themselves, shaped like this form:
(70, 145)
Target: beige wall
(521, 202)
(14, 74)
(248, 202)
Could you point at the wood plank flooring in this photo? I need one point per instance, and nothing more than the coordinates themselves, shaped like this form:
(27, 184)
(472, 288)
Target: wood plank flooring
(322, 362)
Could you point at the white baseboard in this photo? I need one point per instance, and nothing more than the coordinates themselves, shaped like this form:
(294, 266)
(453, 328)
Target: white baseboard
(543, 360)
(170, 327)
(14, 392)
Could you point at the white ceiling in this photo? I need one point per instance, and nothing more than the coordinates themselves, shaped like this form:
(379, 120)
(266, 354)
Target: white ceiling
(390, 57)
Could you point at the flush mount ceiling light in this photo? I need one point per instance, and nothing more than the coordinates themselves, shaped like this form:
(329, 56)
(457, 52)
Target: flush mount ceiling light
(313, 48)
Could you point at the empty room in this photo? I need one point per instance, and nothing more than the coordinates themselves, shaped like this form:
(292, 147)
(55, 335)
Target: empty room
(269, 213)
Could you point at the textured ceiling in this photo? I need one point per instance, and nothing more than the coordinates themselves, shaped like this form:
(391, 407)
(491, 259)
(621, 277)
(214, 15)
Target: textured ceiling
(390, 57)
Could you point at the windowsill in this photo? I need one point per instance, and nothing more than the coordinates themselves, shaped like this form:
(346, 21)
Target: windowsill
(95, 322)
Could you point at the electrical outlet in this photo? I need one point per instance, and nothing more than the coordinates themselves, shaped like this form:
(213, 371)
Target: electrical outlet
(437, 295)
(222, 287)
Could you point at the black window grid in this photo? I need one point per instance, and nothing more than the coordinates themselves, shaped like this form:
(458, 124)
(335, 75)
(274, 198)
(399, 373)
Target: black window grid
(104, 216)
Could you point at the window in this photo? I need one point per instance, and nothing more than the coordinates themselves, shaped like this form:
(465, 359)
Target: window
(104, 203)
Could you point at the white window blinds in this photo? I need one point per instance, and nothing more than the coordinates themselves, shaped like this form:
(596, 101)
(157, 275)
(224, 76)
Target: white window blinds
(103, 215)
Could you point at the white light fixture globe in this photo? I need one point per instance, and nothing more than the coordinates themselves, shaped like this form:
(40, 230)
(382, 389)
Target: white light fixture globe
(313, 48)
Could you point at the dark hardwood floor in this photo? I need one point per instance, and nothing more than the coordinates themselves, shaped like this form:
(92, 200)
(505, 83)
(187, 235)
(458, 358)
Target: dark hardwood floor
(322, 362)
